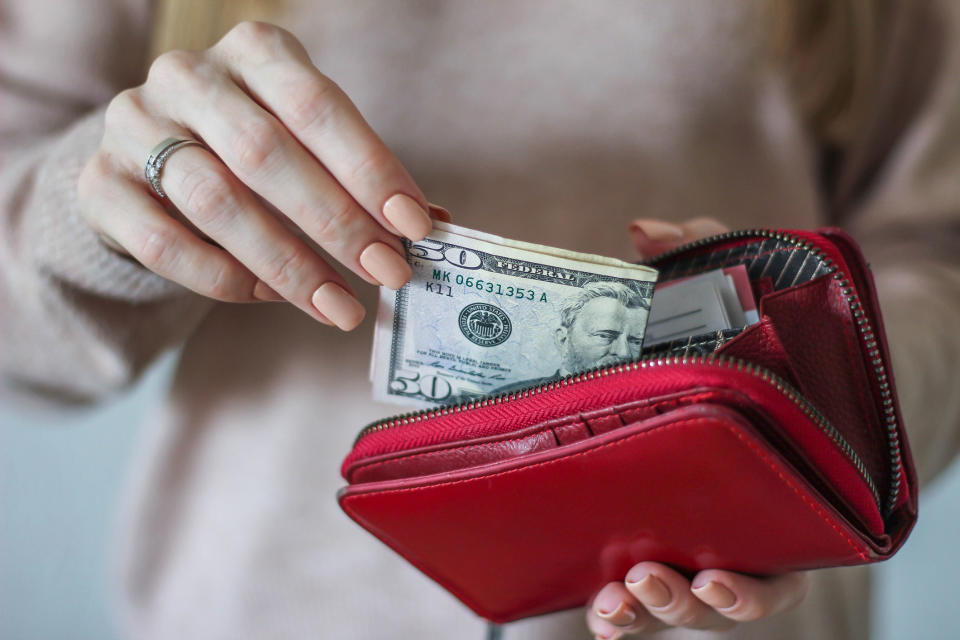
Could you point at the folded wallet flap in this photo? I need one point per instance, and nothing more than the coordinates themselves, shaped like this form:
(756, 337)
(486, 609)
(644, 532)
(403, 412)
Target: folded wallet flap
(866, 290)
(695, 488)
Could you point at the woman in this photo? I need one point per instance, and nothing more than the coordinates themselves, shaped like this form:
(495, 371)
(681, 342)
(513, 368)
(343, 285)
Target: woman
(531, 120)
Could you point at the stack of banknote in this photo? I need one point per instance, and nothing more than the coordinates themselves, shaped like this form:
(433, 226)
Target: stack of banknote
(484, 315)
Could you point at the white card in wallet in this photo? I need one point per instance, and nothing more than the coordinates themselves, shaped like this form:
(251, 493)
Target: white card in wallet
(686, 309)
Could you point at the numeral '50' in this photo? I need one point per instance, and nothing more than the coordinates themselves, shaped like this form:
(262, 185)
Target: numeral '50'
(436, 251)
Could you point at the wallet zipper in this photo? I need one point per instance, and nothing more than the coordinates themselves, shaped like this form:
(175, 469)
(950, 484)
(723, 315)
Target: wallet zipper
(728, 362)
(865, 328)
(856, 309)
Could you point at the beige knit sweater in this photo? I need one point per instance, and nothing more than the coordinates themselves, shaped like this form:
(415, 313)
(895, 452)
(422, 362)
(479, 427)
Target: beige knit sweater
(552, 122)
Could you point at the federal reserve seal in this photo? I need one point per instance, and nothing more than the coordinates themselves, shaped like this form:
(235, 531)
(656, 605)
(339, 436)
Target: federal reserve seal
(484, 324)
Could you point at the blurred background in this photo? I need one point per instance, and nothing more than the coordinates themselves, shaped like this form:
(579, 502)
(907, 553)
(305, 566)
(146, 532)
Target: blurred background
(62, 476)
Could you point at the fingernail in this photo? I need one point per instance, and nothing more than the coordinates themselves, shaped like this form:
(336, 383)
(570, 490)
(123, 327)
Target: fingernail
(407, 216)
(439, 213)
(651, 591)
(659, 231)
(386, 265)
(263, 292)
(622, 615)
(716, 595)
(335, 303)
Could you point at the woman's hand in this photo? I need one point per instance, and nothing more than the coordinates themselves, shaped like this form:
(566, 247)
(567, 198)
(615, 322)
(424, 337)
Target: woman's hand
(288, 158)
(653, 596)
(652, 237)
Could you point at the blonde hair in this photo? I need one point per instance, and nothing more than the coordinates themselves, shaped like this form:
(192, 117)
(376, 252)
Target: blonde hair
(831, 51)
(829, 48)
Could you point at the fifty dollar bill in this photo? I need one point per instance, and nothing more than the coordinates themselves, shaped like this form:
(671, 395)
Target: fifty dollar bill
(484, 314)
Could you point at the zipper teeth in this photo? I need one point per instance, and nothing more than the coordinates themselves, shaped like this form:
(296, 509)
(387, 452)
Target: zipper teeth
(889, 413)
(729, 362)
(863, 326)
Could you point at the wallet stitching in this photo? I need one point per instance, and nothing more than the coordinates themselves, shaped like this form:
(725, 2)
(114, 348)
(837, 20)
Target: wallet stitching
(803, 495)
(565, 423)
(378, 463)
(771, 463)
(424, 454)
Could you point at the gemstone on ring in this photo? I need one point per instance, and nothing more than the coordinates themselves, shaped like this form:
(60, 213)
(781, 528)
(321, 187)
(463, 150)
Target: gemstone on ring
(158, 156)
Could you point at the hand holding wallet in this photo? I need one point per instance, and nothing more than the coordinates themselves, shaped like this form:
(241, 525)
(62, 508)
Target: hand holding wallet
(774, 448)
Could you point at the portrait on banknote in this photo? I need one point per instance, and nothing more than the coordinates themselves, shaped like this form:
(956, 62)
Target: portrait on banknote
(484, 314)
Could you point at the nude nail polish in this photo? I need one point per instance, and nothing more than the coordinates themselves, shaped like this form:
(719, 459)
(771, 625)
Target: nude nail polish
(650, 590)
(716, 595)
(659, 231)
(386, 265)
(621, 616)
(340, 307)
(406, 214)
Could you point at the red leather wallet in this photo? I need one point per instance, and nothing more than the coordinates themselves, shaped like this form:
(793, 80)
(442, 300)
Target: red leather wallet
(774, 448)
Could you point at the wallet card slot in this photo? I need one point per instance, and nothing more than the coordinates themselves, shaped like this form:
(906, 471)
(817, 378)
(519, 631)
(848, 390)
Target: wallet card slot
(772, 264)
(550, 434)
(703, 344)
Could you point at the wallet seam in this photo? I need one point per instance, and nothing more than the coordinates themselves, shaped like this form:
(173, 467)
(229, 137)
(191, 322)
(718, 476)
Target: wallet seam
(771, 463)
(564, 423)
(798, 490)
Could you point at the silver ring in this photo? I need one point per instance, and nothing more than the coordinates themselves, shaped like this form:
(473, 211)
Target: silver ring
(158, 156)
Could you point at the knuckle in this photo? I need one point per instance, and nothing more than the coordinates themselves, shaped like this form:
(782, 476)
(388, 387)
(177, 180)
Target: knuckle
(158, 251)
(334, 226)
(311, 103)
(374, 166)
(285, 268)
(255, 145)
(177, 67)
(252, 31)
(260, 41)
(122, 108)
(224, 286)
(208, 199)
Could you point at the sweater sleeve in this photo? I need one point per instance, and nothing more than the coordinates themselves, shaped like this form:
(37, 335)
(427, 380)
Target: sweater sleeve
(77, 320)
(903, 205)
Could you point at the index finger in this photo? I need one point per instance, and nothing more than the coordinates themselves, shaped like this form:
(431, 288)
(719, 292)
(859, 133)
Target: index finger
(275, 68)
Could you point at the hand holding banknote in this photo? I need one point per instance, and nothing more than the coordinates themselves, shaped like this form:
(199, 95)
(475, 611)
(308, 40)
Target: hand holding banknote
(485, 315)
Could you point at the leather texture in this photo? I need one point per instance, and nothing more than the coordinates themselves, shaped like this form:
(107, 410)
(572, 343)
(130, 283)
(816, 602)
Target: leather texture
(774, 461)
(524, 537)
